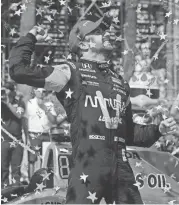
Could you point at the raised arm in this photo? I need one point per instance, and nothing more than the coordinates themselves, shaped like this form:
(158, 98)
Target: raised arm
(48, 77)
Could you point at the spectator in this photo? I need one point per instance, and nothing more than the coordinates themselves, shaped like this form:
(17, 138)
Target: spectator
(41, 116)
(12, 108)
(175, 113)
(175, 109)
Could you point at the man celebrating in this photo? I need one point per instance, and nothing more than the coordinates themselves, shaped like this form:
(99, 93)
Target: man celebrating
(98, 107)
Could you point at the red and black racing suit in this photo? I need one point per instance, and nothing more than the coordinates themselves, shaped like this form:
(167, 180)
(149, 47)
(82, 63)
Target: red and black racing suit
(99, 110)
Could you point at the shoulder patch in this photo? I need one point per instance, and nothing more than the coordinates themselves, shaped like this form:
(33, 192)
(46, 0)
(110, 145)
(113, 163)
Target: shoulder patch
(58, 78)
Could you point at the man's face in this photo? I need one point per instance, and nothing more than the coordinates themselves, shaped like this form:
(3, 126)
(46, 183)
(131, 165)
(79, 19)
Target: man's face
(145, 48)
(96, 40)
(40, 93)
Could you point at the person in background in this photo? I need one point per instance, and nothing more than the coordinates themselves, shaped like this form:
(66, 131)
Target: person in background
(175, 114)
(12, 111)
(41, 116)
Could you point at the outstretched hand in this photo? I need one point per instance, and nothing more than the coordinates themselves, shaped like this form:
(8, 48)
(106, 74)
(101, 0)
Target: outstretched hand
(168, 126)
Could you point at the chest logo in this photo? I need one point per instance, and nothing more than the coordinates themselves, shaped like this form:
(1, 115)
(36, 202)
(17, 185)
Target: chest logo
(115, 104)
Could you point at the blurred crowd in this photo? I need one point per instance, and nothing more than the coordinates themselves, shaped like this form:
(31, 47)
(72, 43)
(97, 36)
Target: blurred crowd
(28, 123)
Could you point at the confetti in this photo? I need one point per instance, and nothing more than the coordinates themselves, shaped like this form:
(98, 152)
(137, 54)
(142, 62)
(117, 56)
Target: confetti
(18, 12)
(4, 199)
(23, 7)
(171, 202)
(116, 20)
(54, 12)
(14, 195)
(69, 93)
(125, 52)
(46, 176)
(13, 181)
(167, 188)
(168, 14)
(57, 189)
(66, 132)
(162, 36)
(175, 21)
(119, 38)
(47, 58)
(5, 185)
(40, 187)
(39, 11)
(138, 10)
(152, 28)
(69, 56)
(13, 144)
(62, 2)
(92, 197)
(83, 177)
(137, 184)
(36, 147)
(138, 164)
(148, 93)
(158, 144)
(49, 18)
(12, 31)
(159, 107)
(6, 26)
(155, 57)
(173, 176)
(69, 9)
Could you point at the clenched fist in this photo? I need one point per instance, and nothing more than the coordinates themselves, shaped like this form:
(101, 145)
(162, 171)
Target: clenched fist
(39, 33)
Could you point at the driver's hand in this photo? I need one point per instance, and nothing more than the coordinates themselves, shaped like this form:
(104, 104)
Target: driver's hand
(39, 33)
(168, 126)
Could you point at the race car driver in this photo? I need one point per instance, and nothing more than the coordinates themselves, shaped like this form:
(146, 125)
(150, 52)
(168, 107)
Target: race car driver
(98, 107)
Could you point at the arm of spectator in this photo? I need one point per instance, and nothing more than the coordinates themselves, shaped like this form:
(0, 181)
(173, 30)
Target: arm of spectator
(51, 117)
(25, 128)
(48, 77)
(176, 133)
(48, 107)
(61, 118)
(175, 109)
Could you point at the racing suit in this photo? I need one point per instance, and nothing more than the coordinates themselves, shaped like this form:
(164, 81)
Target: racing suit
(98, 107)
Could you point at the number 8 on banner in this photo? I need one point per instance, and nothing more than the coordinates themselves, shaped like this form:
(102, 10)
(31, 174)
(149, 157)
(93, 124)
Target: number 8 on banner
(64, 166)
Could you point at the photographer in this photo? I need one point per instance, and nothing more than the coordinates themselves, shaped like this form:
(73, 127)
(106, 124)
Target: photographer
(11, 119)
